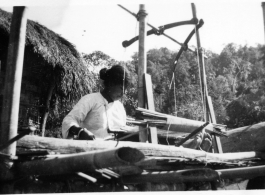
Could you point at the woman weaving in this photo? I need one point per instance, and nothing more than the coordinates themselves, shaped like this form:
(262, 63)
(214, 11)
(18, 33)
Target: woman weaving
(96, 113)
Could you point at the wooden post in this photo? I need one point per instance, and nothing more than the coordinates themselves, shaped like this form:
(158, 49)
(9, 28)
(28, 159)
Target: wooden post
(243, 139)
(12, 86)
(80, 162)
(143, 137)
(150, 105)
(201, 65)
(54, 145)
(216, 139)
(207, 103)
(11, 96)
(47, 108)
(191, 175)
(244, 172)
(263, 10)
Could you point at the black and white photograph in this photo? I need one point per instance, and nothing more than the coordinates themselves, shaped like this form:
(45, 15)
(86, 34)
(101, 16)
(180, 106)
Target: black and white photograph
(104, 96)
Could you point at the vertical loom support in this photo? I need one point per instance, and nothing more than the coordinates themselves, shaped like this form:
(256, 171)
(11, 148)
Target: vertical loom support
(143, 136)
(201, 65)
(207, 103)
(263, 12)
(11, 96)
(150, 105)
(12, 85)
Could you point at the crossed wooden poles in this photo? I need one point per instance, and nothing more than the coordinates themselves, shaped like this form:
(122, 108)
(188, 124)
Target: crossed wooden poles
(206, 99)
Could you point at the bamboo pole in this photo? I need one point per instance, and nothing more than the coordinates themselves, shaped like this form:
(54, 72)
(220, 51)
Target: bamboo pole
(81, 162)
(205, 98)
(125, 43)
(127, 170)
(143, 137)
(47, 107)
(12, 86)
(151, 105)
(196, 131)
(193, 175)
(11, 95)
(263, 11)
(89, 178)
(34, 143)
(246, 172)
(216, 140)
(201, 64)
(242, 139)
(249, 138)
(179, 124)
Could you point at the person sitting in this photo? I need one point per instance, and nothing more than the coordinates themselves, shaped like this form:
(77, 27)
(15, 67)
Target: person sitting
(97, 113)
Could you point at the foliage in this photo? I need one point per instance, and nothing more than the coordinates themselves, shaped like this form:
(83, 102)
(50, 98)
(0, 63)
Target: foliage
(95, 62)
(239, 84)
(130, 98)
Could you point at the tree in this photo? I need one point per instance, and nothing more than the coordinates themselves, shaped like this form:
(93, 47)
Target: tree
(181, 97)
(242, 68)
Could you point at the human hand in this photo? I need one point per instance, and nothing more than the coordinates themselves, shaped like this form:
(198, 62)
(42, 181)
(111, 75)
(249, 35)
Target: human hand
(85, 134)
(206, 143)
(201, 141)
(192, 143)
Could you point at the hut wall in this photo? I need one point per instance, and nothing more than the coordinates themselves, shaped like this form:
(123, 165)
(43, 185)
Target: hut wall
(49, 60)
(29, 111)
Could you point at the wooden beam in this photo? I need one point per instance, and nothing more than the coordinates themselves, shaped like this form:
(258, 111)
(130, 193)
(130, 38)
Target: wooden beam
(11, 94)
(200, 63)
(196, 175)
(244, 139)
(45, 114)
(187, 125)
(216, 140)
(196, 131)
(80, 162)
(35, 143)
(150, 105)
(12, 86)
(143, 136)
(207, 103)
(127, 170)
(263, 13)
(245, 172)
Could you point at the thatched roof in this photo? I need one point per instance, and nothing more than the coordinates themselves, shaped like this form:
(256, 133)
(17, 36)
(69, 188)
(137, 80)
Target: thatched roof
(48, 56)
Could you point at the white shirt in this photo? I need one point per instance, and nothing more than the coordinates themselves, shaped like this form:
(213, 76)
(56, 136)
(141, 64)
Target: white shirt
(94, 113)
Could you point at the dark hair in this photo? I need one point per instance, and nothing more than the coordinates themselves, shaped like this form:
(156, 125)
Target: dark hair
(116, 75)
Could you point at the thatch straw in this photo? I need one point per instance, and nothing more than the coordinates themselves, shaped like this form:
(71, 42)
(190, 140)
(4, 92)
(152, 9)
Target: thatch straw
(49, 56)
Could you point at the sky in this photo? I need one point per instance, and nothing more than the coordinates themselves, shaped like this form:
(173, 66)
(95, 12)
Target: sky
(102, 25)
